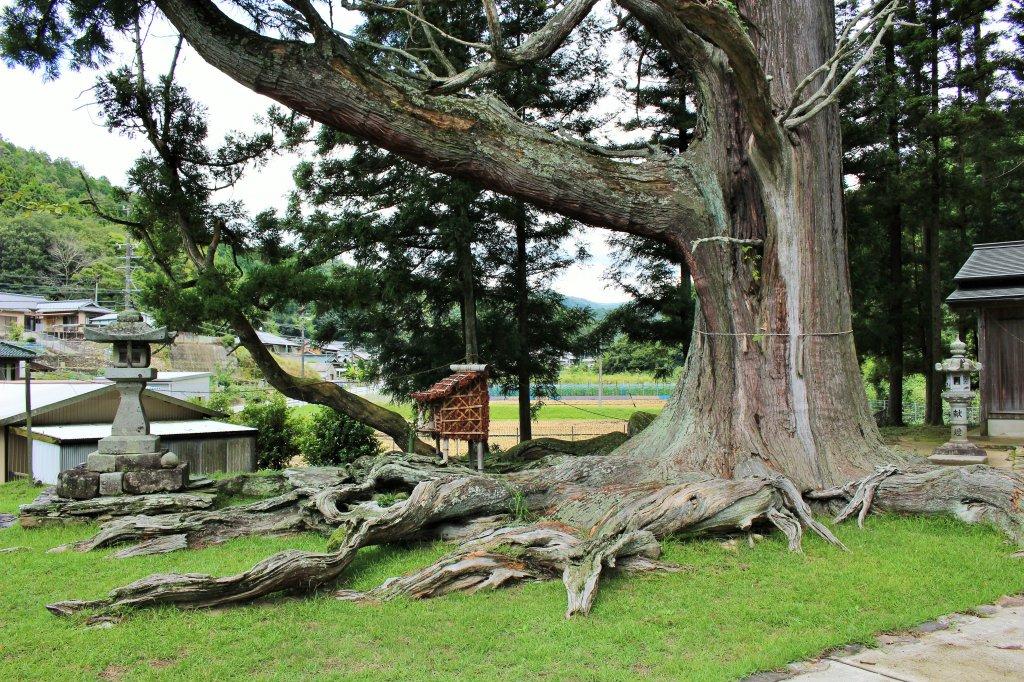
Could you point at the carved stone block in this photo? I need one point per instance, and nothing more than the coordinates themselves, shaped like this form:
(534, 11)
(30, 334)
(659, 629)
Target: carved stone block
(78, 484)
(149, 481)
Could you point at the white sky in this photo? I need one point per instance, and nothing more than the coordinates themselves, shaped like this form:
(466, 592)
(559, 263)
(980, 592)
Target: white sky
(58, 117)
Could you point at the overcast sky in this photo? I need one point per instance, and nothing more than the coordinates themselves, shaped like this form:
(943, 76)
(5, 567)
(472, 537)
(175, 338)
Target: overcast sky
(59, 117)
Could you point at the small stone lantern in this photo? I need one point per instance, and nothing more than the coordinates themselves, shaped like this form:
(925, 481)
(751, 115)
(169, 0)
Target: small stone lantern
(958, 370)
(129, 460)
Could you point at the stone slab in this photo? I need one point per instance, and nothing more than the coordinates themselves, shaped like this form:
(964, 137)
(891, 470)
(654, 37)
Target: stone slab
(150, 481)
(972, 648)
(78, 484)
(129, 445)
(112, 484)
(957, 460)
(130, 373)
(103, 462)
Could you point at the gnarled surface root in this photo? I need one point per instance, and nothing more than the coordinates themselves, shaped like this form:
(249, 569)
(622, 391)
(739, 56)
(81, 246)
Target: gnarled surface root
(431, 501)
(507, 556)
(974, 494)
(702, 505)
(275, 516)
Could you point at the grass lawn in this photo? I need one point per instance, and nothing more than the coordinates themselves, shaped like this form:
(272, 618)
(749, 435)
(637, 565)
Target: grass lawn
(730, 614)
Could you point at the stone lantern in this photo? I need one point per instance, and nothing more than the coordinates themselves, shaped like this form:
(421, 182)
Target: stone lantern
(129, 460)
(958, 370)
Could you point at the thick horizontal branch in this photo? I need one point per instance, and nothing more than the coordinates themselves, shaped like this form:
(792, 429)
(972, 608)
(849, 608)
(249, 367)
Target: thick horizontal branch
(477, 138)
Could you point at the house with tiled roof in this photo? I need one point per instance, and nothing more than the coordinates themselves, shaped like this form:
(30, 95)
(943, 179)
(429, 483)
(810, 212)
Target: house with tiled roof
(35, 314)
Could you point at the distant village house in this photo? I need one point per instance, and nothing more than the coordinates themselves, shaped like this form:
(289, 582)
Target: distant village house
(36, 314)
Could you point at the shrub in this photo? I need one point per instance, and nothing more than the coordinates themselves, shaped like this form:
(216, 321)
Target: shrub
(277, 441)
(15, 331)
(328, 439)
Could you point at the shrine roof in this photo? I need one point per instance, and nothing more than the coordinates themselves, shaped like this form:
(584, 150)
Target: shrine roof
(993, 272)
(447, 386)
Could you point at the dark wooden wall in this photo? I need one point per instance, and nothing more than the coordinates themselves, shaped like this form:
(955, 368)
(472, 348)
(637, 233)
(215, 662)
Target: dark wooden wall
(1001, 352)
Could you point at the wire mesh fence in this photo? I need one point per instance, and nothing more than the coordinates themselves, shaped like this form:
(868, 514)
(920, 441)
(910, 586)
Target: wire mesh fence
(913, 412)
(605, 390)
(505, 434)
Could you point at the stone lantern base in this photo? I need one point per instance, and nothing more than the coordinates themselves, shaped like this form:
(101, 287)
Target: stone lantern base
(110, 475)
(958, 453)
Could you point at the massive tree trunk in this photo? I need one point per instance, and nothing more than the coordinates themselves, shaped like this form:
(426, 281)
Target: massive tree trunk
(772, 380)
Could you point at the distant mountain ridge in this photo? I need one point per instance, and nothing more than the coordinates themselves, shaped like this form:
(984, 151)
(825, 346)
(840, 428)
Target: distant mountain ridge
(600, 309)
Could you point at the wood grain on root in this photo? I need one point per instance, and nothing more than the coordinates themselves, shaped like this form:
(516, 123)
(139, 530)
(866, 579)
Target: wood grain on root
(275, 516)
(701, 505)
(973, 494)
(505, 556)
(48, 508)
(431, 502)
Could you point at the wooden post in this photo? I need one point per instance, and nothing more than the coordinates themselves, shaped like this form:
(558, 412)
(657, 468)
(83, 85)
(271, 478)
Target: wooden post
(28, 410)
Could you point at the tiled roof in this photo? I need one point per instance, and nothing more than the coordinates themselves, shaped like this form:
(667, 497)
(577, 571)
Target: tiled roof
(993, 272)
(85, 304)
(969, 294)
(998, 260)
(38, 304)
(13, 351)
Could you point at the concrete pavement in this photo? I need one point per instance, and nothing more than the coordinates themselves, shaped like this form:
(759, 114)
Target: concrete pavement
(988, 645)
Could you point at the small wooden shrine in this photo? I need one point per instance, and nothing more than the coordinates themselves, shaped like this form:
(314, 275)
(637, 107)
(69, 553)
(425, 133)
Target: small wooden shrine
(456, 407)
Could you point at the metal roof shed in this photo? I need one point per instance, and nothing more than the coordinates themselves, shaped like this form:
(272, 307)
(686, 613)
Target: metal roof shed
(80, 411)
(992, 282)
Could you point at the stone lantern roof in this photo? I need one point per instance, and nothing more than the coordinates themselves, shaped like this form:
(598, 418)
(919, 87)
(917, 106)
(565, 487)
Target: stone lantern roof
(958, 362)
(130, 326)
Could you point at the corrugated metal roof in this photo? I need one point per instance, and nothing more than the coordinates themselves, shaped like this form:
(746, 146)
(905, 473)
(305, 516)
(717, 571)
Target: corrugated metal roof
(85, 304)
(12, 395)
(12, 351)
(979, 294)
(192, 427)
(50, 393)
(998, 260)
(269, 339)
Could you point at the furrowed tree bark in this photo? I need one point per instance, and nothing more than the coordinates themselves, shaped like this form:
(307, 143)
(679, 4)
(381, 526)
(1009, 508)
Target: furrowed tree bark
(522, 329)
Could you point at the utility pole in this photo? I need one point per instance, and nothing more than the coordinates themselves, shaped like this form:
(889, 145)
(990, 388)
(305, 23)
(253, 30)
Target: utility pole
(129, 253)
(96, 292)
(302, 348)
(28, 410)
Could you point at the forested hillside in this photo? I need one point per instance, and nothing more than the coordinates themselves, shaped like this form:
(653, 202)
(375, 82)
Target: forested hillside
(51, 241)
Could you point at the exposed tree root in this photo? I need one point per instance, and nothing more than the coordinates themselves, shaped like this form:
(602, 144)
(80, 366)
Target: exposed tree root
(275, 516)
(599, 525)
(48, 508)
(973, 494)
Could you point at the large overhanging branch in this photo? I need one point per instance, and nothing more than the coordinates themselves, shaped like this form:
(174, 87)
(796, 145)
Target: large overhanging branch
(478, 138)
(862, 34)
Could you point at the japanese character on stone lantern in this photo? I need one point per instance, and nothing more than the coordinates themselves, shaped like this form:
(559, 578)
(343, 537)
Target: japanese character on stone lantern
(958, 370)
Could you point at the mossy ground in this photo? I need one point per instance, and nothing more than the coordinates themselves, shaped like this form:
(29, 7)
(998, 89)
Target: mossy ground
(731, 613)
